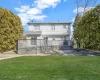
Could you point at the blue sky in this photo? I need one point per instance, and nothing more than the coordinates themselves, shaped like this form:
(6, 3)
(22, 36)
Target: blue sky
(42, 10)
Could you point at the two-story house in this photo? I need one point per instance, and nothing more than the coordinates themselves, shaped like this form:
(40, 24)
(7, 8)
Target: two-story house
(54, 33)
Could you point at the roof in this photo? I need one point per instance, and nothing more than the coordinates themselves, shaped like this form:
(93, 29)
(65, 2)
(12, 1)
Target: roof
(49, 22)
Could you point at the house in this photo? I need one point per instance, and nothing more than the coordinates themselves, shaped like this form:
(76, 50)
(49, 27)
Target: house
(51, 33)
(44, 37)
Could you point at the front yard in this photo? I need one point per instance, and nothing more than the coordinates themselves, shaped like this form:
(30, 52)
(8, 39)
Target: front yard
(50, 68)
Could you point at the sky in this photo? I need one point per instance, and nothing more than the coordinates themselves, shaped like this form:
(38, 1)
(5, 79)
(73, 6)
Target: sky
(42, 10)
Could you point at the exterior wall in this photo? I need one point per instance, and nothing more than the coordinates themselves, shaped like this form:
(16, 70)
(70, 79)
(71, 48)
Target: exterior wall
(55, 40)
(60, 33)
(57, 35)
(47, 29)
(24, 47)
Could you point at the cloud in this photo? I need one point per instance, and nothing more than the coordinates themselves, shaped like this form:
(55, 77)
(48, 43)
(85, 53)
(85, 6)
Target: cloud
(26, 18)
(35, 10)
(65, 0)
(81, 9)
(23, 8)
(42, 4)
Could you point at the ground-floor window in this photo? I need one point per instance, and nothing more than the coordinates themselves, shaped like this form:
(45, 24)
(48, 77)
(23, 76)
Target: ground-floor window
(46, 40)
(65, 40)
(33, 41)
(53, 39)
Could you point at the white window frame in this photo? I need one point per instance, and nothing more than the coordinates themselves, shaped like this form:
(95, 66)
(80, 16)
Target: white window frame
(64, 26)
(46, 40)
(33, 40)
(37, 27)
(53, 27)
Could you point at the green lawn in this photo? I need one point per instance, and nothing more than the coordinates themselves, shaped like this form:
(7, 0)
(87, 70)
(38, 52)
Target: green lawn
(50, 68)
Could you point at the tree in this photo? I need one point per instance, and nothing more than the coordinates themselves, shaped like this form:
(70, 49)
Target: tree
(77, 18)
(88, 29)
(10, 30)
(84, 4)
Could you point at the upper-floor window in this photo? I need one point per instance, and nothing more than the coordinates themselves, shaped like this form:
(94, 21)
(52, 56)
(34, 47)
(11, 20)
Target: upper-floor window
(37, 27)
(53, 27)
(69, 27)
(64, 26)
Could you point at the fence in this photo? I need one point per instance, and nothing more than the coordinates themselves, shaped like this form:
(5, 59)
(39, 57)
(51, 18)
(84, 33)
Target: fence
(41, 46)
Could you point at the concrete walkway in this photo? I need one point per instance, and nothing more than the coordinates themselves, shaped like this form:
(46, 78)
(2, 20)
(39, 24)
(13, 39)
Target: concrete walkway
(7, 56)
(72, 52)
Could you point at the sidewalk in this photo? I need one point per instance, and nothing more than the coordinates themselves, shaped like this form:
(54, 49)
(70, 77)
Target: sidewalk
(7, 56)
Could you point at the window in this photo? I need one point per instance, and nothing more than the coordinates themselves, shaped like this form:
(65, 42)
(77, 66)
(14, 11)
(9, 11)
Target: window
(37, 27)
(46, 40)
(64, 37)
(53, 39)
(53, 27)
(34, 41)
(64, 26)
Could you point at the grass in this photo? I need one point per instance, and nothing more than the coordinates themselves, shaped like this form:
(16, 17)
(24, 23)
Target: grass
(50, 68)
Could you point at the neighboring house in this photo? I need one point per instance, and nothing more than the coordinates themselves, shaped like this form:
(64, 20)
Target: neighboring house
(50, 33)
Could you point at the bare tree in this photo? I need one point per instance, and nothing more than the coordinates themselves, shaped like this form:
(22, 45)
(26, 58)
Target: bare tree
(78, 2)
(88, 3)
(84, 4)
